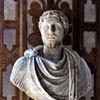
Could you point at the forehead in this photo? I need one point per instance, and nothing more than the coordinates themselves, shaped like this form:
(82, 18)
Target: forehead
(51, 20)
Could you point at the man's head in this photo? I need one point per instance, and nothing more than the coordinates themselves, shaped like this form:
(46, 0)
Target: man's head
(53, 26)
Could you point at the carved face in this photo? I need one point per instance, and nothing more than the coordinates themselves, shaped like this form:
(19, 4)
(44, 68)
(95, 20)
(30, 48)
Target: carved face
(52, 32)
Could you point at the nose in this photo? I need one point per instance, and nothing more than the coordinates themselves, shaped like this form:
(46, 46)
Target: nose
(53, 28)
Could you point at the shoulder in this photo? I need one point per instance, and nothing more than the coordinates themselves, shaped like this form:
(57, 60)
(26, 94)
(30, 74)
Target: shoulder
(72, 53)
(84, 74)
(69, 50)
(19, 63)
(18, 71)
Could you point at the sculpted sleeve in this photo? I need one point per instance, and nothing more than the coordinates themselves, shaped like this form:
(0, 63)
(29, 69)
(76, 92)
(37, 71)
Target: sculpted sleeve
(18, 73)
(20, 70)
(86, 79)
(84, 75)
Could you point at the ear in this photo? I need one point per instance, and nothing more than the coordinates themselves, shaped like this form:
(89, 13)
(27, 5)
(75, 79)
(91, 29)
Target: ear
(39, 26)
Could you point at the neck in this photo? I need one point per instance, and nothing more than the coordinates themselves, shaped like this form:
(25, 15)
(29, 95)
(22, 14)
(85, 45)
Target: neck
(53, 54)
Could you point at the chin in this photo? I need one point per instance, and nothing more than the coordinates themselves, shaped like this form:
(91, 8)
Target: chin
(53, 45)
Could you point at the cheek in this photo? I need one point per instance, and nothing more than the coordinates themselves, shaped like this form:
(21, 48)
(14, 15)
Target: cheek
(44, 35)
(42, 32)
(60, 33)
(60, 36)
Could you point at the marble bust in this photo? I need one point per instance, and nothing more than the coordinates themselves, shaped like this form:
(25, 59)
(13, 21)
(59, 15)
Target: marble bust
(51, 71)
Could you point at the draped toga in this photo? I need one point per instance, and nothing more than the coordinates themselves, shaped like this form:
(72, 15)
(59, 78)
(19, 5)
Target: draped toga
(42, 79)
